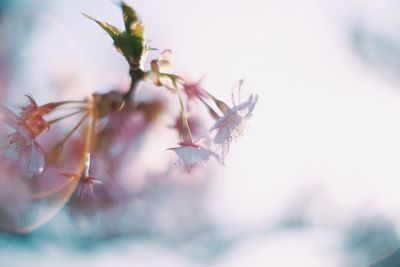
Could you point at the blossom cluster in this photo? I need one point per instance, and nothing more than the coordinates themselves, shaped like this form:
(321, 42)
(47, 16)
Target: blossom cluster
(49, 150)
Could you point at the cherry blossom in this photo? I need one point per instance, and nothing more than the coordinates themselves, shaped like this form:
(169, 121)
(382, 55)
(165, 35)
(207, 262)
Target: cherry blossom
(21, 147)
(195, 124)
(84, 190)
(193, 89)
(32, 115)
(231, 125)
(191, 154)
(114, 126)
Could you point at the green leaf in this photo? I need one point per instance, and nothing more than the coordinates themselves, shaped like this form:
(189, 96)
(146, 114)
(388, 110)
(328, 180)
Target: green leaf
(130, 46)
(114, 32)
(139, 31)
(131, 19)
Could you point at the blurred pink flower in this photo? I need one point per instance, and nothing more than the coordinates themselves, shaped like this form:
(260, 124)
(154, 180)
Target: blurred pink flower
(195, 125)
(21, 146)
(84, 190)
(32, 115)
(193, 89)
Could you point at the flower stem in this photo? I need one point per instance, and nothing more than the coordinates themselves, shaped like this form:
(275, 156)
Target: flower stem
(66, 116)
(222, 106)
(186, 133)
(212, 112)
(136, 76)
(70, 133)
(53, 105)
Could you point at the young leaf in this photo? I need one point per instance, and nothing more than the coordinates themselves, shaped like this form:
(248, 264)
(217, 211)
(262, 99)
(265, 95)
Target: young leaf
(114, 32)
(139, 31)
(130, 46)
(131, 20)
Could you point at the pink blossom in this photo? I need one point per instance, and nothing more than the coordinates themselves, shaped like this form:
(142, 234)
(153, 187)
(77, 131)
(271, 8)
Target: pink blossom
(21, 147)
(191, 155)
(231, 125)
(84, 190)
(194, 123)
(32, 115)
(193, 89)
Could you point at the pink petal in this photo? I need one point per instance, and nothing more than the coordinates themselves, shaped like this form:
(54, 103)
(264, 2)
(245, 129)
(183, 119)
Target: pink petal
(38, 159)
(32, 160)
(223, 135)
(10, 117)
(193, 155)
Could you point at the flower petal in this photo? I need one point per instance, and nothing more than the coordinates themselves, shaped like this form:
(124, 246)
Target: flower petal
(37, 160)
(193, 155)
(31, 160)
(9, 116)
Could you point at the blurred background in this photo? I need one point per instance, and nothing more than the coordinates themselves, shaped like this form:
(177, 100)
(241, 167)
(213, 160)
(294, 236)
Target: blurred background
(313, 182)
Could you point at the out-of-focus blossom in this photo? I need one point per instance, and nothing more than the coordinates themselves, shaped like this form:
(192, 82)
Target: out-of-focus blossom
(195, 125)
(28, 154)
(151, 109)
(84, 190)
(193, 89)
(32, 115)
(232, 123)
(113, 128)
(125, 124)
(108, 103)
(21, 147)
